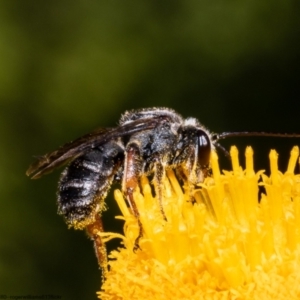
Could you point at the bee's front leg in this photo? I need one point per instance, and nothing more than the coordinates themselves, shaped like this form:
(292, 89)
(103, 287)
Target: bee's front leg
(159, 176)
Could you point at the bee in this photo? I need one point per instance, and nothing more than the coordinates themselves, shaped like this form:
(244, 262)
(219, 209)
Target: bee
(145, 142)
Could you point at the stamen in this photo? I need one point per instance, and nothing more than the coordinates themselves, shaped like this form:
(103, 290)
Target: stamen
(227, 245)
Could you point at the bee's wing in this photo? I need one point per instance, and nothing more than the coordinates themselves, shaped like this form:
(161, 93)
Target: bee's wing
(68, 152)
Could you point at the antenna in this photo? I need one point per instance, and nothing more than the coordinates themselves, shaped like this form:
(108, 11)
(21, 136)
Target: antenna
(225, 135)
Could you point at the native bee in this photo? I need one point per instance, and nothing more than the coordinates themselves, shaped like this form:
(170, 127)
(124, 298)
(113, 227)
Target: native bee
(145, 142)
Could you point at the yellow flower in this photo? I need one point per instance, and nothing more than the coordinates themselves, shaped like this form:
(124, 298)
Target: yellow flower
(231, 243)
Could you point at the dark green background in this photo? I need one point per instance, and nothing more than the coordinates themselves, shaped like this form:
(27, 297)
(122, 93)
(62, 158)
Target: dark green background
(67, 67)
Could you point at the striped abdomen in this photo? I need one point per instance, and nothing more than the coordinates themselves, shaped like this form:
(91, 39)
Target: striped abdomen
(85, 182)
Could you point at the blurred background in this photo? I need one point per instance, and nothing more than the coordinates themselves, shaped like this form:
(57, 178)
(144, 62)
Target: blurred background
(68, 67)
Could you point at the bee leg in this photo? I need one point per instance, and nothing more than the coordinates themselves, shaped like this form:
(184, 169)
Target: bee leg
(193, 172)
(159, 175)
(137, 215)
(132, 172)
(94, 231)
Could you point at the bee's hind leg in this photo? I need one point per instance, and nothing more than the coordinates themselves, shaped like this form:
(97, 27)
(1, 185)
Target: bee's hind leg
(94, 229)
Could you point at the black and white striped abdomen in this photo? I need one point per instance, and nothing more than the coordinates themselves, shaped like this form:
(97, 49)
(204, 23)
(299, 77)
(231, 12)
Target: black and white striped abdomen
(85, 182)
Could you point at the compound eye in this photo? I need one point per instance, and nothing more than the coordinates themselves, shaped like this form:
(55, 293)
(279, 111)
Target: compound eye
(204, 145)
